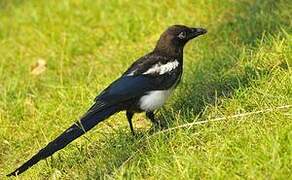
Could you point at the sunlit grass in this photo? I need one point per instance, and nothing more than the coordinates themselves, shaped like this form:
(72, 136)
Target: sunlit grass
(242, 65)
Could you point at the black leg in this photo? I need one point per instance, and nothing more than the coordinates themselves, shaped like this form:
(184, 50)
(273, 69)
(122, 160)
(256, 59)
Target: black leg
(129, 117)
(150, 115)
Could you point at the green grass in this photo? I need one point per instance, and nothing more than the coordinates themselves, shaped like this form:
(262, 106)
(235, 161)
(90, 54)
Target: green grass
(242, 65)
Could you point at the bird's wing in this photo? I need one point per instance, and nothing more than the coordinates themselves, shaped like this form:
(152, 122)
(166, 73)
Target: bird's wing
(143, 76)
(146, 62)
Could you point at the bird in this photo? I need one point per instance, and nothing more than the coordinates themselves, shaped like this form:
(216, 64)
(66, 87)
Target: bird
(143, 87)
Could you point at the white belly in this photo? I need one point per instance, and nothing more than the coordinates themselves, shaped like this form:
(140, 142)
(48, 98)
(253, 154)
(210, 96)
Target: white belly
(154, 99)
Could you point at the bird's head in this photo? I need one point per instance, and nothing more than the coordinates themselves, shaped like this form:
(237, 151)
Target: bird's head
(176, 36)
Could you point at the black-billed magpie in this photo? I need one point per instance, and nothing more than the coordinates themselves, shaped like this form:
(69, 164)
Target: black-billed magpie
(144, 87)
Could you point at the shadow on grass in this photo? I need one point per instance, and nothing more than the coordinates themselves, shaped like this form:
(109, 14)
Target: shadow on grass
(210, 78)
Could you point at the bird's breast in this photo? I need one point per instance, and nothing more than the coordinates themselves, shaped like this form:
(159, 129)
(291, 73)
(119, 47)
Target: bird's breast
(154, 99)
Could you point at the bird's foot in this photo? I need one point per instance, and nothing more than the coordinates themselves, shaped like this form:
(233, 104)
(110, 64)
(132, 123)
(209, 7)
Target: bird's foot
(158, 126)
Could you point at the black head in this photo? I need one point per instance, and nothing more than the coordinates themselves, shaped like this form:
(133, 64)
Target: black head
(176, 36)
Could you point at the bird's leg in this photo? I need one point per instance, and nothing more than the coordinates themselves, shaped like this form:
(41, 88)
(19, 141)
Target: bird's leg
(150, 115)
(129, 117)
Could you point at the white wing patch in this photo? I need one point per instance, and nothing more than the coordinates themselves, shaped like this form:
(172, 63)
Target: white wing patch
(162, 68)
(159, 68)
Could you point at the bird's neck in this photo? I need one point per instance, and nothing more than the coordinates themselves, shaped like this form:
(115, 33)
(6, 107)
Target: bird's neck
(171, 51)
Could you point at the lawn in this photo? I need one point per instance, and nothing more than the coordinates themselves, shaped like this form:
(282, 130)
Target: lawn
(231, 116)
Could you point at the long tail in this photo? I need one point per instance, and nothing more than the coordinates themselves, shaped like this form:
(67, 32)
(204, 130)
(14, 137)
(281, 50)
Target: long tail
(88, 121)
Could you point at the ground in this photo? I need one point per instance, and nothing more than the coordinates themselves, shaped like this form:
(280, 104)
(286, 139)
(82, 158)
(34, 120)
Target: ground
(229, 118)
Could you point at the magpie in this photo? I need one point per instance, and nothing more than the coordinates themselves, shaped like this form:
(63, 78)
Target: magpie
(143, 87)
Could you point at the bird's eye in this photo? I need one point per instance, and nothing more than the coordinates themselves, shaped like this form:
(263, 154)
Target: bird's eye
(182, 35)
